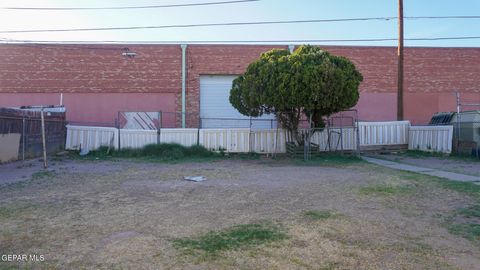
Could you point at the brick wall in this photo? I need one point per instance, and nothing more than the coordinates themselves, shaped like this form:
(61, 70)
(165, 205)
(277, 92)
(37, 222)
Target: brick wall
(431, 74)
(89, 69)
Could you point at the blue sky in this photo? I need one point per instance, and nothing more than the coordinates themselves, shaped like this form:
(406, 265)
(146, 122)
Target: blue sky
(263, 10)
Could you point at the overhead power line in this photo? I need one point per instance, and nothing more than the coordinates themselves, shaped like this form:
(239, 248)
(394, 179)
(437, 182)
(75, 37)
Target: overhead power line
(230, 24)
(130, 7)
(195, 25)
(443, 17)
(284, 41)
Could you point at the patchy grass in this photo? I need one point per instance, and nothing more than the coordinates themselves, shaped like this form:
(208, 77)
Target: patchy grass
(470, 212)
(468, 230)
(318, 215)
(424, 154)
(385, 190)
(462, 187)
(466, 188)
(466, 223)
(37, 178)
(13, 210)
(330, 159)
(232, 238)
(6, 212)
(12, 266)
(43, 175)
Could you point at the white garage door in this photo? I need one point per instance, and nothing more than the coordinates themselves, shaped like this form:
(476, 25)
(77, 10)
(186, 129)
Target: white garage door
(216, 110)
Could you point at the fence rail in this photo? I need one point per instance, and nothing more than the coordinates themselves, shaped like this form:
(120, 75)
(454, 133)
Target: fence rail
(241, 140)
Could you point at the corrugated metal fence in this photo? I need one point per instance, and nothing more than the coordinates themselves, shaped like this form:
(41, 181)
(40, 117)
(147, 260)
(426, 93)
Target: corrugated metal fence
(241, 140)
(383, 133)
(431, 138)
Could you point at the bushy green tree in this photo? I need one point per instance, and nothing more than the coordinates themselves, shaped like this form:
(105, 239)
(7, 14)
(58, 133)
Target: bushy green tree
(309, 82)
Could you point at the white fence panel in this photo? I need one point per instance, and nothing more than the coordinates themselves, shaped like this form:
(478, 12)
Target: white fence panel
(268, 141)
(234, 140)
(90, 138)
(321, 138)
(242, 140)
(383, 133)
(183, 136)
(348, 140)
(431, 138)
(137, 138)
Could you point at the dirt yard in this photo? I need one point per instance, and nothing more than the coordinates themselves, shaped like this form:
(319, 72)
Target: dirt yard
(127, 215)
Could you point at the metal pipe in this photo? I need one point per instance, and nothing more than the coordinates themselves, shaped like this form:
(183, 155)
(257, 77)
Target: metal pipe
(159, 128)
(118, 128)
(198, 130)
(458, 119)
(184, 82)
(23, 137)
(291, 48)
(43, 139)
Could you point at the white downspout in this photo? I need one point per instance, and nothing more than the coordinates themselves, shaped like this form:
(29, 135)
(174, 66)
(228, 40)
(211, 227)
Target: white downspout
(291, 48)
(184, 83)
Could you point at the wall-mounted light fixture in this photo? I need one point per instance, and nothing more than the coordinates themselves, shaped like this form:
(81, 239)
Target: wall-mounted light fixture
(127, 53)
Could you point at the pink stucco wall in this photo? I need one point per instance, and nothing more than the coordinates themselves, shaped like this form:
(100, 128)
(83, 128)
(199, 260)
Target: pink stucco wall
(377, 106)
(95, 108)
(90, 108)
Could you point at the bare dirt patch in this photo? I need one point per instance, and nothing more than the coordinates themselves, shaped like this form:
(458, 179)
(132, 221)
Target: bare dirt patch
(128, 215)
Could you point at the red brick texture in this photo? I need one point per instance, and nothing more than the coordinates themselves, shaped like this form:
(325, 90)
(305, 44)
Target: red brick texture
(431, 74)
(89, 69)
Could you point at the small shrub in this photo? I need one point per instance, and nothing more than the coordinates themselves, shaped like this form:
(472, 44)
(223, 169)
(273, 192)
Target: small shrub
(173, 154)
(198, 151)
(222, 151)
(161, 152)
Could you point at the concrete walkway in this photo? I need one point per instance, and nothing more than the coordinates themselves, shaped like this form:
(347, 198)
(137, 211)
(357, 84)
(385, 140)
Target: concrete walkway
(422, 170)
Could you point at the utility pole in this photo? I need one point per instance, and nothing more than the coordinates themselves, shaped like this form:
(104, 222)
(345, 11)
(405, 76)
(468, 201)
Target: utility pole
(400, 62)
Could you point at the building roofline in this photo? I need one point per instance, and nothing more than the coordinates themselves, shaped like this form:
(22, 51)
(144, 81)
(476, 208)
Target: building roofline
(178, 43)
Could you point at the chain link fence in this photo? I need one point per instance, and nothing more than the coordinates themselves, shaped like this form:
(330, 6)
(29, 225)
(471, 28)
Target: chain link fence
(466, 138)
(21, 133)
(340, 134)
